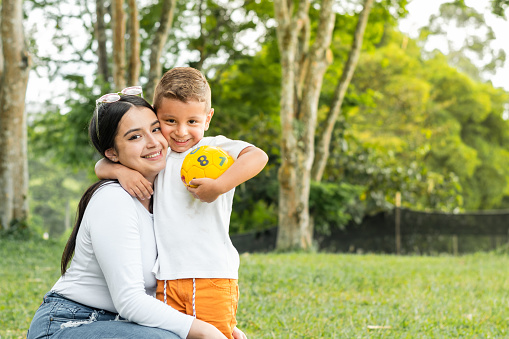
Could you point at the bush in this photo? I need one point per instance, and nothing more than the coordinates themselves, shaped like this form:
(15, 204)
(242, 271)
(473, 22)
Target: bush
(333, 204)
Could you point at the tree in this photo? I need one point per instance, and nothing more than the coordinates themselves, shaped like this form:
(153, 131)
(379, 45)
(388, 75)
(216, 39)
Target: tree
(499, 7)
(133, 70)
(100, 34)
(475, 53)
(54, 194)
(322, 149)
(157, 46)
(15, 62)
(392, 131)
(422, 116)
(470, 135)
(155, 22)
(118, 19)
(302, 67)
(207, 34)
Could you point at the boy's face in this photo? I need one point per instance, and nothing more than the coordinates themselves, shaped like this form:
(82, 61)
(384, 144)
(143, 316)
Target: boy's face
(183, 124)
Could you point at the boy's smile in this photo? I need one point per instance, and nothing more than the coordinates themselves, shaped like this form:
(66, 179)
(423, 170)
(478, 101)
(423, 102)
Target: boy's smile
(183, 124)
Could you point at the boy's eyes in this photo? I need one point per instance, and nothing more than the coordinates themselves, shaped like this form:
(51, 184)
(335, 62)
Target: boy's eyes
(173, 121)
(157, 129)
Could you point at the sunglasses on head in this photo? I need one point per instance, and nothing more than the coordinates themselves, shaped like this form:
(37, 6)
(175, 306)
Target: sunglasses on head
(114, 97)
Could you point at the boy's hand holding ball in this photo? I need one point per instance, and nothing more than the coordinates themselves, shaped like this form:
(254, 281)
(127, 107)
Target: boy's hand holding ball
(204, 163)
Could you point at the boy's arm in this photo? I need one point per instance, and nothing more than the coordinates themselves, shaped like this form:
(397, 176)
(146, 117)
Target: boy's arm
(132, 181)
(249, 163)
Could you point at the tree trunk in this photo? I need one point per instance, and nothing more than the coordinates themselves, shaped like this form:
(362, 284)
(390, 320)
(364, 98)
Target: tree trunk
(13, 137)
(322, 148)
(100, 33)
(202, 18)
(118, 25)
(299, 114)
(134, 44)
(289, 234)
(156, 49)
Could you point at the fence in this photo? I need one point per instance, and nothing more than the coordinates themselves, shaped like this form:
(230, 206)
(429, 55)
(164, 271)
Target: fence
(420, 233)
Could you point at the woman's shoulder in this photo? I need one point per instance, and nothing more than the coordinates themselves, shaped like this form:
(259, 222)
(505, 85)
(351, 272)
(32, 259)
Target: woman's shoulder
(109, 204)
(111, 193)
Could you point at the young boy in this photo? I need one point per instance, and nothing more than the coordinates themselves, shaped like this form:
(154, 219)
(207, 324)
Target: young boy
(197, 268)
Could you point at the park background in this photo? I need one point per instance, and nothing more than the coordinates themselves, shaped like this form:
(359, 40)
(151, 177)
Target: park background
(356, 111)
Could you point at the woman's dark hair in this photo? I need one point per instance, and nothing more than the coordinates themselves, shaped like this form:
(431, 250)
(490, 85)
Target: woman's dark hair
(102, 131)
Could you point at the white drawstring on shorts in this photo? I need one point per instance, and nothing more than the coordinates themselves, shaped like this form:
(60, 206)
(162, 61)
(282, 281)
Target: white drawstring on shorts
(194, 297)
(165, 301)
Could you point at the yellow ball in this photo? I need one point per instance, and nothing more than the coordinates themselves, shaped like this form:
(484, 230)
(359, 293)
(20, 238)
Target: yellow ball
(205, 162)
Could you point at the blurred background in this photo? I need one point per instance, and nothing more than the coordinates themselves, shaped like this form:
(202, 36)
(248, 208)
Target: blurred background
(403, 106)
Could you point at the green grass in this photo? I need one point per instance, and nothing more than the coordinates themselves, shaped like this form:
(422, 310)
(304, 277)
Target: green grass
(28, 270)
(316, 295)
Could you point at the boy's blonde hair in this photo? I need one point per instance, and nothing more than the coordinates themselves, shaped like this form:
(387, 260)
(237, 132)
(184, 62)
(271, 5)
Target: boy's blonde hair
(184, 84)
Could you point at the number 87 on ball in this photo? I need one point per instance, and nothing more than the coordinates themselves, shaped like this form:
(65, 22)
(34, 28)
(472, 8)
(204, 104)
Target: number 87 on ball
(205, 162)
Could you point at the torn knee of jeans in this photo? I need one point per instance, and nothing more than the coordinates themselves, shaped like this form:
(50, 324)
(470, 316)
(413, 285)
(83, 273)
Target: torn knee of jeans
(93, 317)
(119, 318)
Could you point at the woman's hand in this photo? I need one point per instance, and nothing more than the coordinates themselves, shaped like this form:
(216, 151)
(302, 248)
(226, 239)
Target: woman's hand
(200, 329)
(238, 334)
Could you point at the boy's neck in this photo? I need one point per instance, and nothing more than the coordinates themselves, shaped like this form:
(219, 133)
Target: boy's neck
(180, 152)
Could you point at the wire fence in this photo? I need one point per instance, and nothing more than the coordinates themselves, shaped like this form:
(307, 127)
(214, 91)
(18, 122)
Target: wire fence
(419, 233)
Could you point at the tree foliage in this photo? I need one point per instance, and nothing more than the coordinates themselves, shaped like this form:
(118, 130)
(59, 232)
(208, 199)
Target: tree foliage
(434, 117)
(499, 7)
(423, 124)
(474, 53)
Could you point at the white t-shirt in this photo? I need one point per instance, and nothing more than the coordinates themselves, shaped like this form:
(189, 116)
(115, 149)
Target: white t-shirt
(111, 268)
(192, 236)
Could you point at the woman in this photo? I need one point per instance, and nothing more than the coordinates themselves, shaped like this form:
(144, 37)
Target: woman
(109, 279)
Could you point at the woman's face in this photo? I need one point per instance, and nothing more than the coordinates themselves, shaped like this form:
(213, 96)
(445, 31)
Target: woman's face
(139, 143)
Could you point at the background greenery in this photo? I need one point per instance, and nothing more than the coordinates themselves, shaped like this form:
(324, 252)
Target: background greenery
(314, 295)
(426, 124)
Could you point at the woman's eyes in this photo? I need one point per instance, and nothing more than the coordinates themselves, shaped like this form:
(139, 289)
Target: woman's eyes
(137, 136)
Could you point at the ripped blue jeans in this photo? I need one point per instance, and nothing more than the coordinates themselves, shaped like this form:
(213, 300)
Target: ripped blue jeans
(58, 317)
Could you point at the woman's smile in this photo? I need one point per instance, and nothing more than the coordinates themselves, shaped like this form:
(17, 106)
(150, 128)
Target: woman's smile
(139, 143)
(153, 155)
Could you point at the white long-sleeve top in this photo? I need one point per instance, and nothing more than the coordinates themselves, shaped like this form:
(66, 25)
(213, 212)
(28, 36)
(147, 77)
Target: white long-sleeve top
(114, 255)
(192, 236)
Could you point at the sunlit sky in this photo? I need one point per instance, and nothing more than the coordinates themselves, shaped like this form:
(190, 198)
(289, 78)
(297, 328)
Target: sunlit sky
(421, 10)
(40, 89)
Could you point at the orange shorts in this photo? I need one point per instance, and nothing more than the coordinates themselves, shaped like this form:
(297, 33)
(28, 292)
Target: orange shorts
(215, 300)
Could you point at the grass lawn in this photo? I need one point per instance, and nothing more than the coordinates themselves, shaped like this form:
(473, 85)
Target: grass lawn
(315, 295)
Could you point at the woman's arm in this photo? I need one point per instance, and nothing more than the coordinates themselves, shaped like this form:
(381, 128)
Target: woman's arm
(132, 181)
(115, 234)
(200, 329)
(238, 334)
